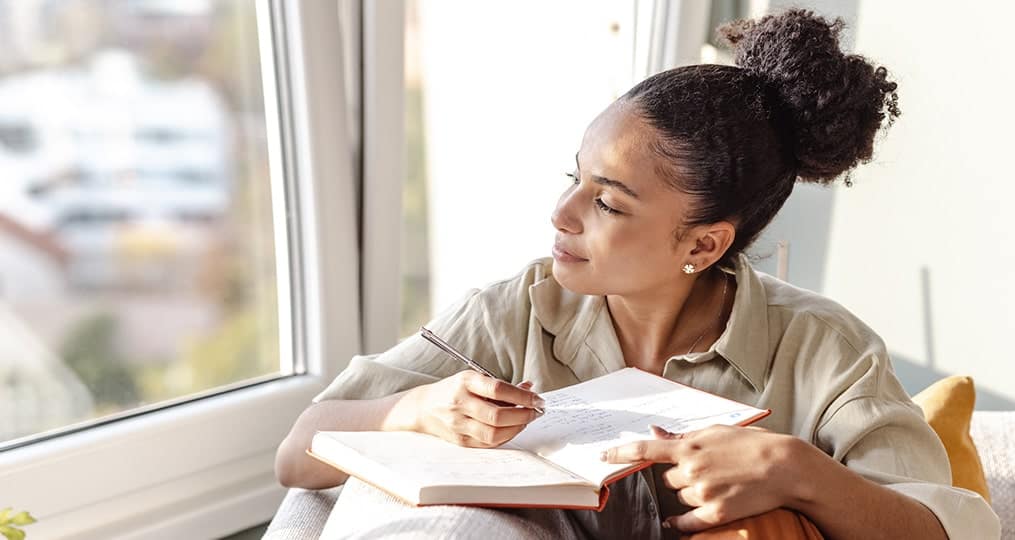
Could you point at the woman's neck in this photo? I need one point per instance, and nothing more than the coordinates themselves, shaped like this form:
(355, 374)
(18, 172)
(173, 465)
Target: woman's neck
(656, 325)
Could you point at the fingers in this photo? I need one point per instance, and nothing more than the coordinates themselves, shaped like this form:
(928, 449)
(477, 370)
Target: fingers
(495, 412)
(485, 435)
(675, 477)
(689, 496)
(699, 519)
(487, 424)
(661, 433)
(656, 450)
(499, 390)
(492, 415)
(633, 452)
(461, 439)
(471, 417)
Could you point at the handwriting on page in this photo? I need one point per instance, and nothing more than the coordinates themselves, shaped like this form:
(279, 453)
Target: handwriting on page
(570, 414)
(572, 420)
(577, 427)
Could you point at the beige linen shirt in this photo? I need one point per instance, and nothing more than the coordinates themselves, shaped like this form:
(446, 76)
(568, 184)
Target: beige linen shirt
(825, 375)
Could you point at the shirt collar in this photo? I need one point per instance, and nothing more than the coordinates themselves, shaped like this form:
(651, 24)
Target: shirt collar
(744, 342)
(581, 325)
(584, 338)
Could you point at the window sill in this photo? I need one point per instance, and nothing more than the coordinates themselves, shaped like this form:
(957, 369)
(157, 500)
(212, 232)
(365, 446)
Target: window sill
(211, 472)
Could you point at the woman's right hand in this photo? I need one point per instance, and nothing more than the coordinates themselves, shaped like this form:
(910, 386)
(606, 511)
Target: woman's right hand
(461, 409)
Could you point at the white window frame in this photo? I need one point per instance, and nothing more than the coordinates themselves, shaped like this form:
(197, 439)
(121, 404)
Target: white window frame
(205, 468)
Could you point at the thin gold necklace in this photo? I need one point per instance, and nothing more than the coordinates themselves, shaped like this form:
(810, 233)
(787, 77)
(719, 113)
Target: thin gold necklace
(722, 307)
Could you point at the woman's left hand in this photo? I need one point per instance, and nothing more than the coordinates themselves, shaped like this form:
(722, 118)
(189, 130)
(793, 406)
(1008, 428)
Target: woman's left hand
(725, 473)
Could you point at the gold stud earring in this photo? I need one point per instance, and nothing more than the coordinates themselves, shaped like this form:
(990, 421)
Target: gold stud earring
(688, 268)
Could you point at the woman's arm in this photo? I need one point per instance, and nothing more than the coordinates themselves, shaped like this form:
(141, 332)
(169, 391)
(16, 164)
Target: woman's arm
(727, 473)
(843, 504)
(294, 468)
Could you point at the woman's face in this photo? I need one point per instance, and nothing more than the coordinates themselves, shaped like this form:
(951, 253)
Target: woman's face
(615, 223)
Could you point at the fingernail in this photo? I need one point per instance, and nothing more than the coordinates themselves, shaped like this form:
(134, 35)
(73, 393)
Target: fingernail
(539, 402)
(602, 456)
(660, 432)
(666, 524)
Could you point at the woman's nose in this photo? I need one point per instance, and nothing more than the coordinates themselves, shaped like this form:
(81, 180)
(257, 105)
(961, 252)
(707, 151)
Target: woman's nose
(563, 217)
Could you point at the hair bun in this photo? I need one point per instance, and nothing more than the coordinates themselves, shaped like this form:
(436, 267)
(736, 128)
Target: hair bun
(834, 103)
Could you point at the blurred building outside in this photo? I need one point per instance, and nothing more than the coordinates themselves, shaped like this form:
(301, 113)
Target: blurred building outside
(135, 224)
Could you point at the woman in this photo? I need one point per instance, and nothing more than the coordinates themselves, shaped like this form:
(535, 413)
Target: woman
(672, 182)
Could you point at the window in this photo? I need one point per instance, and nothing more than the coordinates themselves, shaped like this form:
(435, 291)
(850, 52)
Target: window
(197, 465)
(138, 256)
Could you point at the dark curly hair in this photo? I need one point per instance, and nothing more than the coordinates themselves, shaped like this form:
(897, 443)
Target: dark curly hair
(794, 107)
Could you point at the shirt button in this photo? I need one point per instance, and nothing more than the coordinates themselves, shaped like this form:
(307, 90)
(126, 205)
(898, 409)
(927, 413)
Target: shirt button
(652, 510)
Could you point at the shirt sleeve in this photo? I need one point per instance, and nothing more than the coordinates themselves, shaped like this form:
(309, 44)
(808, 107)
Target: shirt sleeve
(883, 437)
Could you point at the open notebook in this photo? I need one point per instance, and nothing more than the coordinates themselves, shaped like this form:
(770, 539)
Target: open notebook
(554, 462)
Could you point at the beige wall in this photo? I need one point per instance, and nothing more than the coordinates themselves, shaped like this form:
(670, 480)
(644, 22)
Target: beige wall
(921, 247)
(931, 224)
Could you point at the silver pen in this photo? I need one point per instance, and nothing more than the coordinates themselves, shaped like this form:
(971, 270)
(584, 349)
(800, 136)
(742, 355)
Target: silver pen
(446, 347)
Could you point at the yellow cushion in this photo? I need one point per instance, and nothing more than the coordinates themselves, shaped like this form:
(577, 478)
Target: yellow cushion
(948, 407)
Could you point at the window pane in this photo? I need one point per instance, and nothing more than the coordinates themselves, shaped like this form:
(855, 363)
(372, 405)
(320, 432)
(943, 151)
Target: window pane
(137, 261)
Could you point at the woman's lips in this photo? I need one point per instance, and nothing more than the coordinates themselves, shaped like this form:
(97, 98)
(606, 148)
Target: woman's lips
(562, 255)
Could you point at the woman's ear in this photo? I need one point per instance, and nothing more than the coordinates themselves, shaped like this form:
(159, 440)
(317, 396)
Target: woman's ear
(712, 243)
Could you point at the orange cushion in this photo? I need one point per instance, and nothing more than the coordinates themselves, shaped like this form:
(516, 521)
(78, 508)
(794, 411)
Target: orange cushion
(779, 523)
(948, 407)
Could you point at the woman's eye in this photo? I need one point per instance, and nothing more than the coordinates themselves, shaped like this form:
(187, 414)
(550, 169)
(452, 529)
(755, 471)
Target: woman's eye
(606, 208)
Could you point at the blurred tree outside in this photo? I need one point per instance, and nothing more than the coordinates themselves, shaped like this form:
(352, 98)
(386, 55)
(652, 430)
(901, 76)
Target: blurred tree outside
(234, 352)
(91, 352)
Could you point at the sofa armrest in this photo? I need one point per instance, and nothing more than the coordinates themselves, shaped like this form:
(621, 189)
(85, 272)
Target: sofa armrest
(302, 514)
(993, 433)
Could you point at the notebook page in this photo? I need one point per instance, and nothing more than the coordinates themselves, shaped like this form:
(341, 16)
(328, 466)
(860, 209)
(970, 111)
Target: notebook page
(583, 420)
(425, 460)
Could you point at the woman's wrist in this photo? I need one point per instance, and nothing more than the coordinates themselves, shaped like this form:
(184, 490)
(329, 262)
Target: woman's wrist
(807, 468)
(403, 412)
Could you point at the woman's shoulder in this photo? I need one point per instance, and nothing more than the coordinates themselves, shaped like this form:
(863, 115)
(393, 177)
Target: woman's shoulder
(831, 348)
(799, 309)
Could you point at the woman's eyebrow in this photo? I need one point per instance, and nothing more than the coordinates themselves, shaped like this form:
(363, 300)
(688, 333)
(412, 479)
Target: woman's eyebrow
(601, 180)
